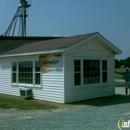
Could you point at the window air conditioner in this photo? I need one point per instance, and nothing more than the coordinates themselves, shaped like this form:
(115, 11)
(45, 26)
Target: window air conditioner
(26, 92)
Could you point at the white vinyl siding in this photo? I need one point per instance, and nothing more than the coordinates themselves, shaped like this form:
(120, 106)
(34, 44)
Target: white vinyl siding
(52, 85)
(5, 79)
(85, 51)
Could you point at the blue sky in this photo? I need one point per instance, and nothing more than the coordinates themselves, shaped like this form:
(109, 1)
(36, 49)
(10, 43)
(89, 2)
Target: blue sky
(111, 18)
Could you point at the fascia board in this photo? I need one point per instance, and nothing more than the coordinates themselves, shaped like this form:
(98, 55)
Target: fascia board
(109, 44)
(32, 53)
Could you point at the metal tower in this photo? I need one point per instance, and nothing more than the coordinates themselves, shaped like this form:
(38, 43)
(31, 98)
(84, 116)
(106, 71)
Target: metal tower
(21, 13)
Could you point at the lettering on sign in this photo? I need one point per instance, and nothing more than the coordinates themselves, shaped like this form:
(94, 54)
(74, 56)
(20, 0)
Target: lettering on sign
(51, 63)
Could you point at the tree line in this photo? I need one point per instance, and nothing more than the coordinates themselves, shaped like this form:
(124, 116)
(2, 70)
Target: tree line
(125, 63)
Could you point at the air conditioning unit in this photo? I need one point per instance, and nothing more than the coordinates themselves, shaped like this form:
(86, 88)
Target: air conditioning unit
(26, 92)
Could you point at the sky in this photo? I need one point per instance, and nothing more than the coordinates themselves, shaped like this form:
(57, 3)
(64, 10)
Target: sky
(111, 18)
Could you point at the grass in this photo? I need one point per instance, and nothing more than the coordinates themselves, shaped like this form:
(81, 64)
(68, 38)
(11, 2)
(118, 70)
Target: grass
(118, 76)
(119, 84)
(9, 102)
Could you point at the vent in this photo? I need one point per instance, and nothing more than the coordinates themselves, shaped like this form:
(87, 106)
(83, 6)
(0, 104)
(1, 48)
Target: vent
(26, 92)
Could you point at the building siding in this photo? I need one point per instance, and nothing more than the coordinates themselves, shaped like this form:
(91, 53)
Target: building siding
(89, 50)
(5, 79)
(51, 84)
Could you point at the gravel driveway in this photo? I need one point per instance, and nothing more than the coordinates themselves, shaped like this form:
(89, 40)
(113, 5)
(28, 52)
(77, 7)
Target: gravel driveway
(78, 117)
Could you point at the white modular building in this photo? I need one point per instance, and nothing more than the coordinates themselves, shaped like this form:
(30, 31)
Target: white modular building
(61, 70)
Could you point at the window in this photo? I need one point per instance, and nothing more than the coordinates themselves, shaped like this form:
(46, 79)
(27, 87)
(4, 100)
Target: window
(90, 72)
(104, 71)
(14, 72)
(77, 72)
(37, 72)
(26, 72)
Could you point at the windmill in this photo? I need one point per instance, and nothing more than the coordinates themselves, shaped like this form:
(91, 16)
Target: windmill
(20, 14)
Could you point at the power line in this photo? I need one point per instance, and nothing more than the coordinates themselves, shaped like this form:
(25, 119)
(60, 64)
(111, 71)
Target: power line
(58, 20)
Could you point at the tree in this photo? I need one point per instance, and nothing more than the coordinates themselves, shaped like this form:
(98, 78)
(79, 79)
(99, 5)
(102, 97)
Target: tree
(127, 62)
(122, 62)
(117, 63)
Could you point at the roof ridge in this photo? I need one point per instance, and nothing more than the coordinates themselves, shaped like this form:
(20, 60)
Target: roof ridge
(83, 34)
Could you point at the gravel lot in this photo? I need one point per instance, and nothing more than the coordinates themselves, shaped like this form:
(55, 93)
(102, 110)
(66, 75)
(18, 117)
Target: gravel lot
(77, 117)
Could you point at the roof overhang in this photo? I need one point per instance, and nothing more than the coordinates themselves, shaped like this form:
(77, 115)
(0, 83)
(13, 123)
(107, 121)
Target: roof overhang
(111, 46)
(107, 43)
(33, 53)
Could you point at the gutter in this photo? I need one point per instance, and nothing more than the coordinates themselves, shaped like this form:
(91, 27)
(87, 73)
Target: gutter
(32, 53)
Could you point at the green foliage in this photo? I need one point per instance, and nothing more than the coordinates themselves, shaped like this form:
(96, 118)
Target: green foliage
(127, 62)
(117, 63)
(118, 76)
(122, 62)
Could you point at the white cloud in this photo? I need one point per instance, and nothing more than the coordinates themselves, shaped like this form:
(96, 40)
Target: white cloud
(56, 35)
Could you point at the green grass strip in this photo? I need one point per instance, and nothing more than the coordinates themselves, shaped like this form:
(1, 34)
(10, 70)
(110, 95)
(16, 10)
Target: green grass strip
(9, 102)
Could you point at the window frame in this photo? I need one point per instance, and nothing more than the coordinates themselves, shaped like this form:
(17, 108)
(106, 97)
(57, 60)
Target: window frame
(36, 72)
(17, 75)
(105, 70)
(82, 72)
(13, 72)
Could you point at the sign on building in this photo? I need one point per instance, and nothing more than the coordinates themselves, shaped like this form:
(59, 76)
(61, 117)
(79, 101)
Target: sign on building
(51, 63)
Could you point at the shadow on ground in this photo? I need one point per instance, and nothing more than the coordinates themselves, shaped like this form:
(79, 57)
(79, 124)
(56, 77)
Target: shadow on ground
(104, 101)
